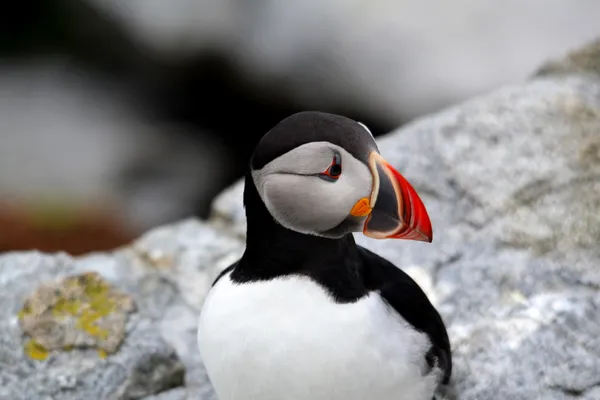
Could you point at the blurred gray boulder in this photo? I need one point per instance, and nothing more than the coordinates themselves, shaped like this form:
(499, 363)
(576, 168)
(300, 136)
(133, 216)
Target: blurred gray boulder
(166, 274)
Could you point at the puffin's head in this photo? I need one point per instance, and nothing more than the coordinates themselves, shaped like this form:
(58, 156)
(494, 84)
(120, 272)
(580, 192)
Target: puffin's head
(322, 174)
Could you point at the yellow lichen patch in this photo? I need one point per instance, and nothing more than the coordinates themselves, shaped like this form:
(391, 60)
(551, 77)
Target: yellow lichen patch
(64, 307)
(35, 350)
(102, 353)
(24, 311)
(78, 311)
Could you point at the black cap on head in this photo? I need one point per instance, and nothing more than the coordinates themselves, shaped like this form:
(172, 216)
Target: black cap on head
(313, 126)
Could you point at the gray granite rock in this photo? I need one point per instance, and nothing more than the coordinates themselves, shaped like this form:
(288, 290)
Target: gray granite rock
(545, 348)
(512, 184)
(166, 272)
(584, 60)
(227, 211)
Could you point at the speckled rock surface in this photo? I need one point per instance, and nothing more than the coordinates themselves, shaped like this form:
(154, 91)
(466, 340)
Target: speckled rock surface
(166, 273)
(227, 210)
(78, 311)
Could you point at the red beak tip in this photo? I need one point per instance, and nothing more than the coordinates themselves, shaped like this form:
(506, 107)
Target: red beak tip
(425, 228)
(413, 222)
(420, 228)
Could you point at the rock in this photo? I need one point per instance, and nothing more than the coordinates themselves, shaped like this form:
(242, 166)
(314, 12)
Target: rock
(511, 181)
(175, 394)
(81, 310)
(585, 60)
(150, 293)
(546, 348)
(227, 210)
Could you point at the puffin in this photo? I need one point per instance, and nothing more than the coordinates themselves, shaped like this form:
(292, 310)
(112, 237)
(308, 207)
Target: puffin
(306, 313)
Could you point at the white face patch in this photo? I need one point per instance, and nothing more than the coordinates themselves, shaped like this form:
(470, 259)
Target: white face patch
(300, 200)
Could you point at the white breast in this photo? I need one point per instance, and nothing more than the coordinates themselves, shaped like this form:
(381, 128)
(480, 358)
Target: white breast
(285, 339)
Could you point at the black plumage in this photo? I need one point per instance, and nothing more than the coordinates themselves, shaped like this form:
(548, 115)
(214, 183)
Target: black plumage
(347, 271)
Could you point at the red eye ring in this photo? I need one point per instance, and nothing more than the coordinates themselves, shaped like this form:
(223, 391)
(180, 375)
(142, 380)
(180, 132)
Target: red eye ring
(335, 169)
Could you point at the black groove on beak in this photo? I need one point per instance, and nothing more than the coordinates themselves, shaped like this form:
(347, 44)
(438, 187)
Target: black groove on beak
(397, 211)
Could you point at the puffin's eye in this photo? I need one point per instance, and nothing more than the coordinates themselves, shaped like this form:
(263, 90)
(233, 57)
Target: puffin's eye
(334, 171)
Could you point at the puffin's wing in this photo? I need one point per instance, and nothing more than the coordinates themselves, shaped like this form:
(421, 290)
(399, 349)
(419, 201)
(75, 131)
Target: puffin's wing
(408, 299)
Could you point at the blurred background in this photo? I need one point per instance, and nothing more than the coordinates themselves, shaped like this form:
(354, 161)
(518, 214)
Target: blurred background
(120, 115)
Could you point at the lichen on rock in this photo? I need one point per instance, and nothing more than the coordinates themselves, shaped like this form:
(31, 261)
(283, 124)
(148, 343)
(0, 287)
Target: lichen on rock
(78, 311)
(583, 60)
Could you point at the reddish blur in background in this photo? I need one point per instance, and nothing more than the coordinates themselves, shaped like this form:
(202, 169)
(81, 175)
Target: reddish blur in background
(120, 115)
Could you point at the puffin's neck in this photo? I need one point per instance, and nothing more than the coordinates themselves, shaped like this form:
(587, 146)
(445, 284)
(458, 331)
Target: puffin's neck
(273, 250)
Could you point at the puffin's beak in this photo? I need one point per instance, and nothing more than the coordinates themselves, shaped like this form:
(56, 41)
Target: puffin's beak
(394, 210)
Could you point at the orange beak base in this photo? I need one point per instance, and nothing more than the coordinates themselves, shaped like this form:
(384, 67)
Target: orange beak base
(397, 210)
